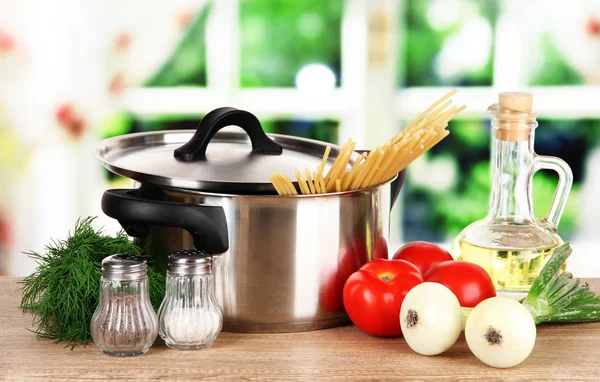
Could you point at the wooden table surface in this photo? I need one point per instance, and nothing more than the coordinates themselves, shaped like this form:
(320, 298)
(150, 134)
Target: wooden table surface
(562, 352)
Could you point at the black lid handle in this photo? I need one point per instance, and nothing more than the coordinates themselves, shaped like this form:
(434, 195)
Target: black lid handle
(137, 212)
(218, 119)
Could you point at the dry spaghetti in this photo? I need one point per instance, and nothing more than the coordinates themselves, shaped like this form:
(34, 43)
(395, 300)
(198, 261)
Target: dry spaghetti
(381, 164)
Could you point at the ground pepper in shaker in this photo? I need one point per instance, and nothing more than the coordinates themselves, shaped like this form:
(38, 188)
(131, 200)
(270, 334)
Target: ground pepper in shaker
(124, 323)
(189, 316)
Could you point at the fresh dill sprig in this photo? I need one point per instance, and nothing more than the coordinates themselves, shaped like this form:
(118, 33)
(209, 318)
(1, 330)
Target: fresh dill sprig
(63, 292)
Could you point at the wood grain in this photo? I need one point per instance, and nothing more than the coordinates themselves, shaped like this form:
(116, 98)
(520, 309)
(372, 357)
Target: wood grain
(562, 352)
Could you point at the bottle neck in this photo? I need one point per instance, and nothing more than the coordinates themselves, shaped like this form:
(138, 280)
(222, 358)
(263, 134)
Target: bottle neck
(512, 171)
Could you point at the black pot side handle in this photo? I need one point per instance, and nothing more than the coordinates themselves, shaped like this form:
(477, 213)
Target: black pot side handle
(219, 118)
(136, 213)
(396, 185)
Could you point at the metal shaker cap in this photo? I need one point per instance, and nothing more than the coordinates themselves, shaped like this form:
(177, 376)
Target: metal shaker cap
(190, 262)
(124, 267)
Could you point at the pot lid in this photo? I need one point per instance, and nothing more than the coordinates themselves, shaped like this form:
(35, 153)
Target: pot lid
(211, 160)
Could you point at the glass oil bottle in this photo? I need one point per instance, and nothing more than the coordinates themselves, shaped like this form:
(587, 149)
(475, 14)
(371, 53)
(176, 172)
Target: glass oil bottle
(510, 243)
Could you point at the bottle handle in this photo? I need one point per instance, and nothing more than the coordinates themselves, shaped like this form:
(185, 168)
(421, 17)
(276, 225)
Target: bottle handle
(565, 182)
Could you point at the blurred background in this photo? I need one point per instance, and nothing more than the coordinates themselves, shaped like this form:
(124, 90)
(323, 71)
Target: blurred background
(74, 72)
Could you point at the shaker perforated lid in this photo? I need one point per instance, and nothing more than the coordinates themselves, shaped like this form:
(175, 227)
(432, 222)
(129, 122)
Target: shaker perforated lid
(190, 262)
(124, 267)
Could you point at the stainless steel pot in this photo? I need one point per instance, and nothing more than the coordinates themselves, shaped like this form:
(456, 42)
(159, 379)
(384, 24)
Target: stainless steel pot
(281, 261)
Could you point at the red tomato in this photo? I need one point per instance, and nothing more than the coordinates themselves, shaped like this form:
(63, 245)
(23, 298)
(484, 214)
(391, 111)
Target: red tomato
(380, 250)
(374, 294)
(469, 282)
(332, 281)
(422, 254)
(360, 248)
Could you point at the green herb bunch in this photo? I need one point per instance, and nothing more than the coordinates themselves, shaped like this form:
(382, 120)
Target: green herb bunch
(63, 292)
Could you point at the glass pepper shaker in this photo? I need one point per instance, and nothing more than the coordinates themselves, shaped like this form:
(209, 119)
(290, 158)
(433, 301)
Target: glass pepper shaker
(189, 316)
(124, 322)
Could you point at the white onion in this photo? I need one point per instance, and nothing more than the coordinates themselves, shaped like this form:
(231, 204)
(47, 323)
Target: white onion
(500, 332)
(430, 318)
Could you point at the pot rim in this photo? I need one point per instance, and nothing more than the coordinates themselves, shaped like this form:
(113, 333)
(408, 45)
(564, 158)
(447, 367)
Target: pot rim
(269, 196)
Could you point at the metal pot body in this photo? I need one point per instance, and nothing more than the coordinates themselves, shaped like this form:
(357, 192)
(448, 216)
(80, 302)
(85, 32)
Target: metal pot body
(280, 261)
(288, 257)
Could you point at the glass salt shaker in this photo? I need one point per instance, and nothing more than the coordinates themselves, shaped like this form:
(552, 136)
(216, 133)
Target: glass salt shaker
(124, 323)
(189, 316)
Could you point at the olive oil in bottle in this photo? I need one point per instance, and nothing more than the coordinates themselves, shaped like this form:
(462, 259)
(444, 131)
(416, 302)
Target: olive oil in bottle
(511, 270)
(510, 243)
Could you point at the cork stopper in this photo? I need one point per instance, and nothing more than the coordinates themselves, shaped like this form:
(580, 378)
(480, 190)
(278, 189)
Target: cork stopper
(516, 101)
(515, 112)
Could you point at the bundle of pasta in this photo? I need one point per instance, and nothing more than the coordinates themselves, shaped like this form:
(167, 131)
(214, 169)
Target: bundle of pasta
(381, 164)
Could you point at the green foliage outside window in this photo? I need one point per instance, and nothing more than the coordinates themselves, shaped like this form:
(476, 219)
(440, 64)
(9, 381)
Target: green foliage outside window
(323, 130)
(423, 43)
(551, 69)
(278, 37)
(187, 65)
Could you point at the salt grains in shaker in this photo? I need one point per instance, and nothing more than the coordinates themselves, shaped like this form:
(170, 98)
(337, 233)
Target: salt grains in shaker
(189, 316)
(124, 323)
